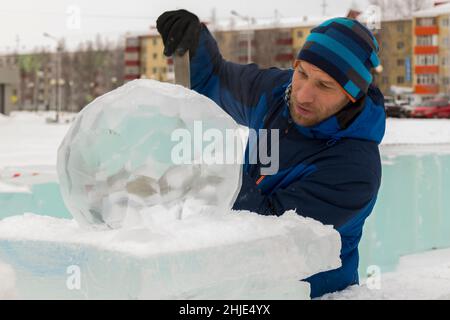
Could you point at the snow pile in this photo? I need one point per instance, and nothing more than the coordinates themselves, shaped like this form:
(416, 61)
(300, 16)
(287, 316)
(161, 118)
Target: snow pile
(417, 131)
(143, 145)
(7, 282)
(235, 255)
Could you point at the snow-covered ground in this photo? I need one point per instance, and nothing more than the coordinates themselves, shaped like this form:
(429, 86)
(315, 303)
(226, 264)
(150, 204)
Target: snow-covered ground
(28, 148)
(423, 276)
(417, 131)
(27, 140)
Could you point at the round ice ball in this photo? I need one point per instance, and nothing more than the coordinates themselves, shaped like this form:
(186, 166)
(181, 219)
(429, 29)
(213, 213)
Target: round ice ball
(148, 145)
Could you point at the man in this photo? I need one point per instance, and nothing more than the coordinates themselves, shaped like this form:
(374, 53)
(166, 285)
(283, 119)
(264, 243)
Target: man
(330, 116)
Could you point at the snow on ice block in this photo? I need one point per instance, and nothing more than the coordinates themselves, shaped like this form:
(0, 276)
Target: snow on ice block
(236, 255)
(144, 144)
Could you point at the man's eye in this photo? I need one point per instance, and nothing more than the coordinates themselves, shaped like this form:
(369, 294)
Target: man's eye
(322, 85)
(302, 74)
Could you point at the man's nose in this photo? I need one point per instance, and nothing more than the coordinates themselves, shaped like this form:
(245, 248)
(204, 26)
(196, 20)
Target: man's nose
(305, 94)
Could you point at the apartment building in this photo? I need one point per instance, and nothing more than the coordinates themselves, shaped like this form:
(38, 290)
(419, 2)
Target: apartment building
(431, 53)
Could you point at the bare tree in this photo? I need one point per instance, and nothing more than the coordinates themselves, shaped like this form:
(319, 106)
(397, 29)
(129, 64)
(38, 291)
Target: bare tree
(96, 68)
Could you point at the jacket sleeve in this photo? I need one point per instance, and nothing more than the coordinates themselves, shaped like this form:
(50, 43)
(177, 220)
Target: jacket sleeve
(332, 195)
(238, 89)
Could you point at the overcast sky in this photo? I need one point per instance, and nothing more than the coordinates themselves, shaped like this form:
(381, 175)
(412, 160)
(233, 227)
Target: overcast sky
(24, 21)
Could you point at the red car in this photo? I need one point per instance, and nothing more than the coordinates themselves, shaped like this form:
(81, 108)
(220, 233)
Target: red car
(431, 109)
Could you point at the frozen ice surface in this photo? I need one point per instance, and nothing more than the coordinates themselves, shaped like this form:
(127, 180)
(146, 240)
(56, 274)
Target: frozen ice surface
(237, 255)
(117, 159)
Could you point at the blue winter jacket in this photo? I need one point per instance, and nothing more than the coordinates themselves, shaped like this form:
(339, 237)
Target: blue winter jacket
(330, 172)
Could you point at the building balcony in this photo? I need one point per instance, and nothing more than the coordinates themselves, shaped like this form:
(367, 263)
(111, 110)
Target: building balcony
(426, 89)
(132, 49)
(426, 30)
(426, 69)
(426, 50)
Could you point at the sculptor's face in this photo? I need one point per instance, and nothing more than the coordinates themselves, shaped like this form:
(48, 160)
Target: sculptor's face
(315, 95)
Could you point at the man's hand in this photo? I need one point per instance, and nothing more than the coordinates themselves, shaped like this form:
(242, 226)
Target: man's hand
(180, 31)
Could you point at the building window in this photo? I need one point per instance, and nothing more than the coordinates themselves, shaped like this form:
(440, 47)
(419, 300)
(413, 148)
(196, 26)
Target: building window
(427, 79)
(424, 40)
(431, 40)
(155, 41)
(445, 22)
(400, 45)
(299, 34)
(446, 81)
(427, 60)
(423, 22)
(155, 70)
(400, 62)
(446, 41)
(400, 28)
(155, 56)
(400, 79)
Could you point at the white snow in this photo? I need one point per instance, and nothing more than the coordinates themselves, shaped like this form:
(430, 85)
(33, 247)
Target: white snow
(221, 253)
(26, 139)
(195, 232)
(417, 131)
(7, 282)
(424, 276)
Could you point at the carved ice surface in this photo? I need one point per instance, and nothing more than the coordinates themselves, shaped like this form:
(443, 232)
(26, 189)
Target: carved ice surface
(117, 160)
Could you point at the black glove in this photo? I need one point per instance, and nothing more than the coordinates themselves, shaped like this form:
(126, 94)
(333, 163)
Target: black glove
(180, 31)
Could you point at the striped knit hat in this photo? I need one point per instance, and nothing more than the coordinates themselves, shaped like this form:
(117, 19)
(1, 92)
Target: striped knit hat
(346, 50)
